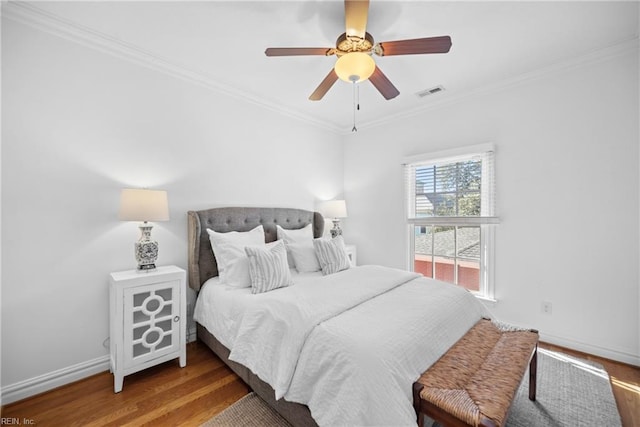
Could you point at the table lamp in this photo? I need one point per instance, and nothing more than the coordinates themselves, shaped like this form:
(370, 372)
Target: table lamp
(334, 209)
(144, 205)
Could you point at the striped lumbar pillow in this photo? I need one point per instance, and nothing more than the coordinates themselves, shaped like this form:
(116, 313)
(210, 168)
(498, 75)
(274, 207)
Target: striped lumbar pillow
(331, 254)
(268, 268)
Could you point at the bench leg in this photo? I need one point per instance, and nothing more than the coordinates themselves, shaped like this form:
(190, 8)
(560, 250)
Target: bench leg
(533, 371)
(417, 388)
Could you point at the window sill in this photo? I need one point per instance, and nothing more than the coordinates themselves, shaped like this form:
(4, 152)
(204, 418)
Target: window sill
(491, 302)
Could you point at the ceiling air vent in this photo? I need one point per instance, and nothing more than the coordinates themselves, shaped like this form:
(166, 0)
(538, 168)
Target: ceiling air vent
(430, 91)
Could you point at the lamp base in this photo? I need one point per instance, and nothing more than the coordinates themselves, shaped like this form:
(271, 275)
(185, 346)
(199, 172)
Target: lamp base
(146, 250)
(146, 267)
(336, 230)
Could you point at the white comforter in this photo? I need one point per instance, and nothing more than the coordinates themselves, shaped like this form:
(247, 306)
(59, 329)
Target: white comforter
(350, 345)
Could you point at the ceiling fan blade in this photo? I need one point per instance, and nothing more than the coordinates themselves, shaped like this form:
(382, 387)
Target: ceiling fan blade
(324, 86)
(383, 84)
(440, 44)
(297, 51)
(355, 17)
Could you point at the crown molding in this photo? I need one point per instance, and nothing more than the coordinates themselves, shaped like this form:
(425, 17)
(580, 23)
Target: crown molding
(28, 14)
(590, 58)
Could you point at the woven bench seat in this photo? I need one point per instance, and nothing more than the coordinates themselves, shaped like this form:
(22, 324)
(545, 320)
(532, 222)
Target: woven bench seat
(475, 381)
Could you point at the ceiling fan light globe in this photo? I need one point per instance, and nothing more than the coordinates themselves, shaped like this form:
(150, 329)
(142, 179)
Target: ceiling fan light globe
(355, 67)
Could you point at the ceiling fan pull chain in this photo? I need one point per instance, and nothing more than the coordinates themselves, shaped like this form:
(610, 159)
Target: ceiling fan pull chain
(355, 129)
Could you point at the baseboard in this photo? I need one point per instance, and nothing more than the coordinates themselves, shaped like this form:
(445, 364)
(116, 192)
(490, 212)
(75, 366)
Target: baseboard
(619, 356)
(51, 380)
(40, 384)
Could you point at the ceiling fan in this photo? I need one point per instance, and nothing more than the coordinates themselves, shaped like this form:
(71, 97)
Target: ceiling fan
(354, 48)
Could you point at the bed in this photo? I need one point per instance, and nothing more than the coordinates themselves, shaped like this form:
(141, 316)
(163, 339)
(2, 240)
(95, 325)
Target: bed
(337, 349)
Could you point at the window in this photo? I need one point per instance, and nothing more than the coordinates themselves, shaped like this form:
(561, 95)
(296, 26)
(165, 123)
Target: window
(450, 216)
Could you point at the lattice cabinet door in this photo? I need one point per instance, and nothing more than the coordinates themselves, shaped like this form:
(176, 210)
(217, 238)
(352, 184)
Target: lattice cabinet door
(151, 323)
(148, 320)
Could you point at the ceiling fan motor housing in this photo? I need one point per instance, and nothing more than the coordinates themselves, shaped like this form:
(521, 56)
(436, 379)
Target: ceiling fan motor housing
(347, 44)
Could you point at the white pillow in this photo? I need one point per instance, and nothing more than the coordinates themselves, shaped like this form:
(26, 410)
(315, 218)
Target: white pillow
(268, 267)
(228, 248)
(301, 235)
(331, 254)
(304, 257)
(236, 274)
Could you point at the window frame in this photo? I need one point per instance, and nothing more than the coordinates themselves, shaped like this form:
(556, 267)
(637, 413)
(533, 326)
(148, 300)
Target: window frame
(486, 220)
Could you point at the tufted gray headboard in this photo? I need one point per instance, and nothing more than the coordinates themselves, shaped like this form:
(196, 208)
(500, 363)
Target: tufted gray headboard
(202, 263)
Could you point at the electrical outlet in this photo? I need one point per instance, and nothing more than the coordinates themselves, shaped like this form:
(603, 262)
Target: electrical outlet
(546, 307)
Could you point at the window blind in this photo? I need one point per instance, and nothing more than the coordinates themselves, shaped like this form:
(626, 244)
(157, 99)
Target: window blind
(456, 189)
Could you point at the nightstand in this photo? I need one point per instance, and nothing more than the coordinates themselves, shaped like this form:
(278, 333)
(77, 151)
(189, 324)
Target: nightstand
(147, 319)
(352, 254)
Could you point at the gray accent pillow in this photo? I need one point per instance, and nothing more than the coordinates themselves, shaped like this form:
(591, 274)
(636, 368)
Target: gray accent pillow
(268, 267)
(331, 255)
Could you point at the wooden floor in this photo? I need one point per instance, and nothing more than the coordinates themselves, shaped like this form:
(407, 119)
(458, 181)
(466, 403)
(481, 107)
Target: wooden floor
(167, 395)
(164, 395)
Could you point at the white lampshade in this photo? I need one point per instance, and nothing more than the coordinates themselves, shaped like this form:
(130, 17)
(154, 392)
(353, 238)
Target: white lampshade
(143, 205)
(333, 209)
(355, 67)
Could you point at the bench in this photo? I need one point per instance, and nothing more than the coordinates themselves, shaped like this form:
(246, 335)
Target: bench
(475, 381)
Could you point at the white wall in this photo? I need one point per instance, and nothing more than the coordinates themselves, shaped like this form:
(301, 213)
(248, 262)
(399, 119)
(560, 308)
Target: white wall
(79, 125)
(567, 194)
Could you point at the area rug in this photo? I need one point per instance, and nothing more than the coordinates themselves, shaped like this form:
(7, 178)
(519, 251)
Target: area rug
(247, 412)
(571, 393)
